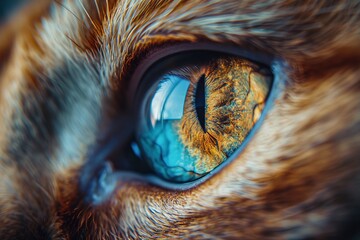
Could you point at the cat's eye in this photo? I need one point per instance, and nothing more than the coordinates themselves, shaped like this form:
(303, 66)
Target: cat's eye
(196, 110)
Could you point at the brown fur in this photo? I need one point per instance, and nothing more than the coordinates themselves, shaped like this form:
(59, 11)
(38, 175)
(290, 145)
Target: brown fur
(297, 179)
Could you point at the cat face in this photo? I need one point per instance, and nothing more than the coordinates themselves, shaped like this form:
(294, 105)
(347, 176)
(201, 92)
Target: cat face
(67, 70)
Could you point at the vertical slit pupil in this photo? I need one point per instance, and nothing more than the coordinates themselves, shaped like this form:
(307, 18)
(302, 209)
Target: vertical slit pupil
(200, 101)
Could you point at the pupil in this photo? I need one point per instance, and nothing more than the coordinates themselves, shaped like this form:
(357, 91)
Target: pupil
(200, 101)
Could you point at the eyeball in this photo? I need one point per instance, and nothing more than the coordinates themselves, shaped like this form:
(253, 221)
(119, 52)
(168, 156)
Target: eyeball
(197, 110)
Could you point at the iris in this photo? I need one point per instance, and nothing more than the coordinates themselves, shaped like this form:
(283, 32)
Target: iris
(196, 114)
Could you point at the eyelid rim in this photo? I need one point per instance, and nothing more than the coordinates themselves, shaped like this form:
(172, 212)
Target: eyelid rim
(276, 65)
(278, 85)
(158, 54)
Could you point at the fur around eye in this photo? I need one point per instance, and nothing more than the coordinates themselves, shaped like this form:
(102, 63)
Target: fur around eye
(197, 114)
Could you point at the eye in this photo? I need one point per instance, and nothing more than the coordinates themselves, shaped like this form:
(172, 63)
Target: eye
(196, 110)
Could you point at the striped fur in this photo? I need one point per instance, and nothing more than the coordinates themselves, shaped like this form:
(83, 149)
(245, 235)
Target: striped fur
(65, 63)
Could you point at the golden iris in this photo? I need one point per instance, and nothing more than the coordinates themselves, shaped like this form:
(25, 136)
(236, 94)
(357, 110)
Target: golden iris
(197, 115)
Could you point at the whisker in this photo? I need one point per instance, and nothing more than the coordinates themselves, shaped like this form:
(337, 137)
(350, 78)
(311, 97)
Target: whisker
(97, 8)
(74, 42)
(87, 14)
(66, 8)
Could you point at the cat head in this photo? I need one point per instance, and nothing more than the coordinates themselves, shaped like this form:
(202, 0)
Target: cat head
(66, 70)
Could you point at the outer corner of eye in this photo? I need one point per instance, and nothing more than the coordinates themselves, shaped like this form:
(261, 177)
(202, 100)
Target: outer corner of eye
(198, 111)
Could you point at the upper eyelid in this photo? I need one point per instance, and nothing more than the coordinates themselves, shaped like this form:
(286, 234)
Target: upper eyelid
(161, 53)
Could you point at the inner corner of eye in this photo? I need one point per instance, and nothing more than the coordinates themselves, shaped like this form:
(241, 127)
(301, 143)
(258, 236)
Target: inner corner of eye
(188, 127)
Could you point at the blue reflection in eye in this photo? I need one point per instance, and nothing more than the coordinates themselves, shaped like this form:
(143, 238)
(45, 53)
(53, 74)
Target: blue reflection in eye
(159, 139)
(169, 99)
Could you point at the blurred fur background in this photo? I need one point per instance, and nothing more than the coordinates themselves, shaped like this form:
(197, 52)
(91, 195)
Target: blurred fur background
(7, 7)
